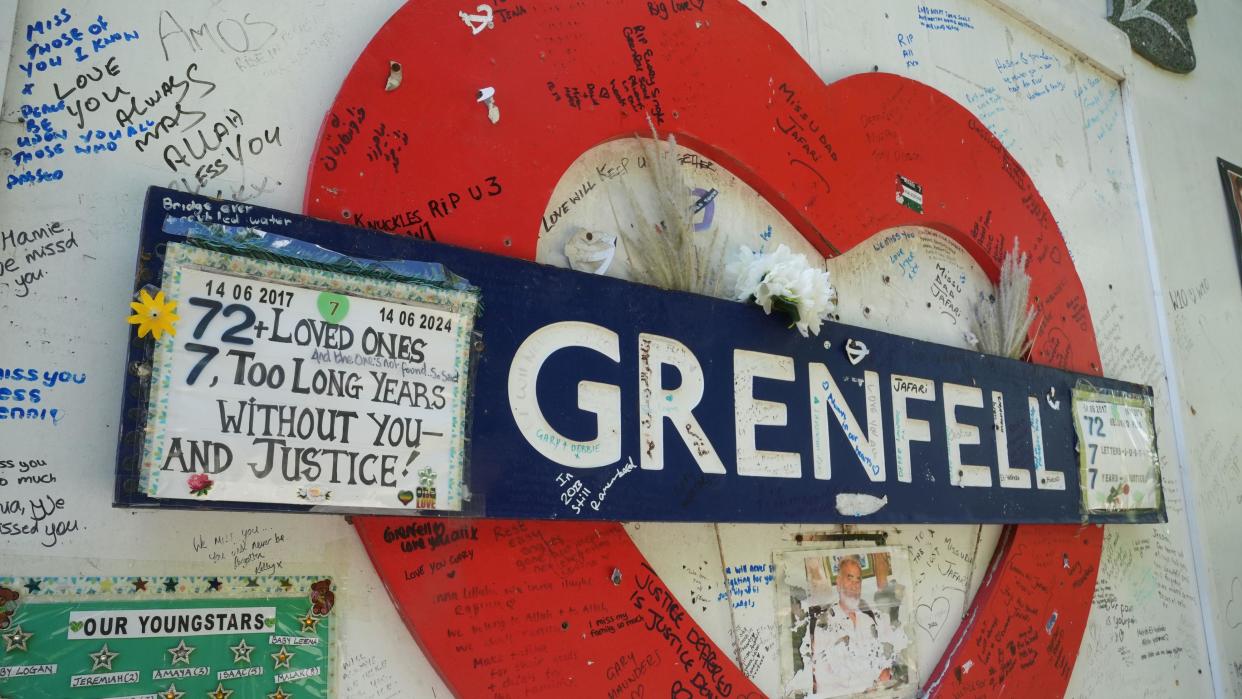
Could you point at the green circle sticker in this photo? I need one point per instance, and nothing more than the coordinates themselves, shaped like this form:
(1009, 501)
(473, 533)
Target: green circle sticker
(333, 307)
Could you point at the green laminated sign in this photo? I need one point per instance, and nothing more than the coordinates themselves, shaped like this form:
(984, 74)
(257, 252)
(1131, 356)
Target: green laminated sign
(166, 638)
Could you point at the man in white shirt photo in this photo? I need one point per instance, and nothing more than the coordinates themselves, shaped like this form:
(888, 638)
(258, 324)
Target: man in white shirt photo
(848, 647)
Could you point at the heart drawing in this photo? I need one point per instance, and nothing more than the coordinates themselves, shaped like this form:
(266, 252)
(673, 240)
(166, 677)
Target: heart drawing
(734, 108)
(932, 617)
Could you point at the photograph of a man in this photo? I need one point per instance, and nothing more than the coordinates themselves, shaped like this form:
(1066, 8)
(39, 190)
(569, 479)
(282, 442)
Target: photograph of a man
(847, 626)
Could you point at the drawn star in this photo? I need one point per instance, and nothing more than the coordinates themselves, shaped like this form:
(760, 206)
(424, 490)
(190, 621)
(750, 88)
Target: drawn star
(139, 585)
(309, 622)
(241, 651)
(181, 653)
(32, 585)
(279, 694)
(16, 640)
(171, 693)
(252, 582)
(103, 659)
(282, 658)
(285, 584)
(220, 693)
(214, 584)
(170, 585)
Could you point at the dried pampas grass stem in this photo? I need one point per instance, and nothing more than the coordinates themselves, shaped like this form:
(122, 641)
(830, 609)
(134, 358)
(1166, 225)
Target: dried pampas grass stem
(667, 254)
(1002, 324)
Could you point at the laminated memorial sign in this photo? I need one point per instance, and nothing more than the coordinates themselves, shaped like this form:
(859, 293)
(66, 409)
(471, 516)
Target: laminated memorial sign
(593, 398)
(288, 383)
(1119, 465)
(166, 637)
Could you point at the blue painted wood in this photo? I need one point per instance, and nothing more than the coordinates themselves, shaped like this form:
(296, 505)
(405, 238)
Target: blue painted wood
(508, 478)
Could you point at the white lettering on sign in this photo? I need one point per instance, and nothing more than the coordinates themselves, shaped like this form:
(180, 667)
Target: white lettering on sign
(905, 428)
(293, 641)
(869, 447)
(749, 412)
(1045, 480)
(657, 403)
(1009, 477)
(179, 673)
(106, 678)
(960, 434)
(239, 672)
(601, 400)
(157, 623)
(7, 671)
(297, 674)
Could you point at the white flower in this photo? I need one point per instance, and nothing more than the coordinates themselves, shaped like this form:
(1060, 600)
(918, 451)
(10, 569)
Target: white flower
(787, 277)
(747, 270)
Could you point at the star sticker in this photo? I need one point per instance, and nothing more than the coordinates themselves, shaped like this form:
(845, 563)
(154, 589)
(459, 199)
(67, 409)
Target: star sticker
(32, 585)
(105, 585)
(181, 653)
(241, 651)
(171, 693)
(220, 693)
(252, 582)
(16, 640)
(285, 584)
(282, 658)
(139, 585)
(214, 584)
(170, 585)
(103, 659)
(279, 694)
(308, 622)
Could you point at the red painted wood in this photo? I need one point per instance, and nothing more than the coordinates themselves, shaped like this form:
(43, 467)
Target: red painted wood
(1010, 644)
(530, 608)
(425, 159)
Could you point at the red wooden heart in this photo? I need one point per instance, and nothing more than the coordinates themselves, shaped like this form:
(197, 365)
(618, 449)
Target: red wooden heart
(532, 608)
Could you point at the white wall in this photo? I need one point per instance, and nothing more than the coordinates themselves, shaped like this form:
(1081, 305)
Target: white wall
(1183, 124)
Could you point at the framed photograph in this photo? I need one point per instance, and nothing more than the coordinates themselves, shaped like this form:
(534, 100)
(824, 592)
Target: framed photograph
(1231, 179)
(845, 620)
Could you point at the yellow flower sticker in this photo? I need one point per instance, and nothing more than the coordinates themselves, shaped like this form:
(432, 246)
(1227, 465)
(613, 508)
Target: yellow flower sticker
(153, 315)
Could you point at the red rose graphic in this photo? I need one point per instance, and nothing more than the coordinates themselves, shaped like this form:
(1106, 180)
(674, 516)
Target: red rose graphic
(200, 484)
